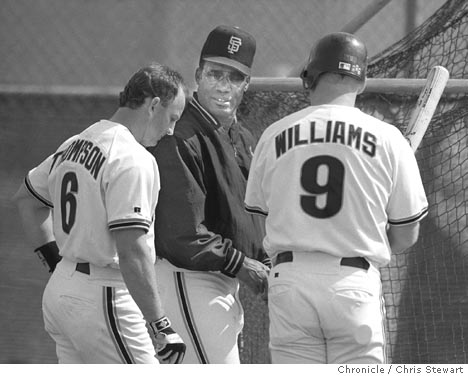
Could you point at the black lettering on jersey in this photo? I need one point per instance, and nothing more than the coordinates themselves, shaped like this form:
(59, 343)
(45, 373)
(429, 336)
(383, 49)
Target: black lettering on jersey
(290, 138)
(85, 151)
(328, 132)
(313, 138)
(82, 152)
(91, 157)
(75, 151)
(338, 132)
(297, 136)
(98, 162)
(369, 144)
(280, 143)
(66, 152)
(94, 162)
(54, 160)
(354, 136)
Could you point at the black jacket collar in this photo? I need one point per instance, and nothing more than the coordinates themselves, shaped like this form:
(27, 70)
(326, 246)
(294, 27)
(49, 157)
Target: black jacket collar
(204, 113)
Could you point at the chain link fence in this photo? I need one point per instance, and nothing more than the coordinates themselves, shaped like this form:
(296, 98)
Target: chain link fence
(75, 42)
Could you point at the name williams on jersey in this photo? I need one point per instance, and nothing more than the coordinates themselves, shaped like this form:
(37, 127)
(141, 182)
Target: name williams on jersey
(83, 152)
(337, 132)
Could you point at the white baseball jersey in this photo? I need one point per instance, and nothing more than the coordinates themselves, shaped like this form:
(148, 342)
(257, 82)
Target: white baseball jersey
(98, 181)
(330, 178)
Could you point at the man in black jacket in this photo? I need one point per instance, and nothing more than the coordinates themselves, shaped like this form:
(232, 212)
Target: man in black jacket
(205, 240)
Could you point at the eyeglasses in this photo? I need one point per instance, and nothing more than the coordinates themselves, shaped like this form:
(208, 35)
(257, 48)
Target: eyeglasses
(234, 78)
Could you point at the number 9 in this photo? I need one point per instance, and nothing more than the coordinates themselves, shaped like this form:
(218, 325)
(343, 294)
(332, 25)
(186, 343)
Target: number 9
(333, 187)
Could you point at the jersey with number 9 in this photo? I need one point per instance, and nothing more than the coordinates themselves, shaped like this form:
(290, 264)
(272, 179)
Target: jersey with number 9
(330, 178)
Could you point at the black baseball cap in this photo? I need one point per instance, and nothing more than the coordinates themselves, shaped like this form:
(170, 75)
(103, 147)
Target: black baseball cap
(230, 46)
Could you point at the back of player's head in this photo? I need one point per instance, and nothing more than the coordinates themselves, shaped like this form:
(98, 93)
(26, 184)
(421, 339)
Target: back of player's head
(339, 52)
(154, 80)
(231, 46)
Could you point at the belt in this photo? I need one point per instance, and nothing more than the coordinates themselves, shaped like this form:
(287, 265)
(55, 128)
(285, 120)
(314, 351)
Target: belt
(82, 267)
(356, 262)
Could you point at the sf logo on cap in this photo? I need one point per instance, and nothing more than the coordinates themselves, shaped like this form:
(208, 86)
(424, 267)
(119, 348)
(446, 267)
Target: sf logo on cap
(234, 44)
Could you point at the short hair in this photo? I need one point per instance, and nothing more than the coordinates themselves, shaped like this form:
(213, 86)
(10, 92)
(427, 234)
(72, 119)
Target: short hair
(154, 80)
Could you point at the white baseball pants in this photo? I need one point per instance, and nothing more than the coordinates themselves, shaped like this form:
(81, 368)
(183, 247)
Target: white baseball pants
(94, 323)
(205, 310)
(324, 312)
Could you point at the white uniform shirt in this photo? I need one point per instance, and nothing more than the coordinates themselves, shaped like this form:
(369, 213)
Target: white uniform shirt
(330, 178)
(98, 181)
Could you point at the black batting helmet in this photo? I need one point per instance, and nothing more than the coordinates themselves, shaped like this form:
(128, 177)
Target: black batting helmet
(336, 53)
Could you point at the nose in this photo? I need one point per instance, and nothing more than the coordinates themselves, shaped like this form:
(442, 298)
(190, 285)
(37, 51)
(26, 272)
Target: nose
(224, 83)
(170, 131)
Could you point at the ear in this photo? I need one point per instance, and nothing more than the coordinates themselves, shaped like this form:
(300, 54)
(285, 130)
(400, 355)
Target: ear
(246, 87)
(198, 73)
(153, 103)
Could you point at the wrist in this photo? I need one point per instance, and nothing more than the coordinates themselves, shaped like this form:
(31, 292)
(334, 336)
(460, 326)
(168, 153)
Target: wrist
(233, 262)
(49, 254)
(159, 325)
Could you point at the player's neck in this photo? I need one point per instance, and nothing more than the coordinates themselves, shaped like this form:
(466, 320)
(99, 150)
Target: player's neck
(318, 98)
(130, 119)
(335, 89)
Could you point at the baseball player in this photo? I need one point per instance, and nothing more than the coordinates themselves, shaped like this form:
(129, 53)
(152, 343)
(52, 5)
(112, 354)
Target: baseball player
(214, 242)
(94, 200)
(341, 191)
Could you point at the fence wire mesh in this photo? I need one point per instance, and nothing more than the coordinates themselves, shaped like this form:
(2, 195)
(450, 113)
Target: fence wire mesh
(425, 288)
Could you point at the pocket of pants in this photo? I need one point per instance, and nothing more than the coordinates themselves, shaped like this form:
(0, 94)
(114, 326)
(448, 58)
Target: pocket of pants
(359, 313)
(77, 307)
(280, 295)
(278, 290)
(355, 293)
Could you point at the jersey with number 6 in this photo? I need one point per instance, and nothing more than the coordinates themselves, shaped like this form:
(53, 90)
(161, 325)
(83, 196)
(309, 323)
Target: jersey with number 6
(331, 178)
(98, 181)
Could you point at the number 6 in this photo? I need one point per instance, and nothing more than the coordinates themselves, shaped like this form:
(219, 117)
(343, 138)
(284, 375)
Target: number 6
(68, 196)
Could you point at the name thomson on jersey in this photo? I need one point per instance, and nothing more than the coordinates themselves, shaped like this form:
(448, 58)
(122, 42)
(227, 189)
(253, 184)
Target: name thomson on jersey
(83, 152)
(337, 132)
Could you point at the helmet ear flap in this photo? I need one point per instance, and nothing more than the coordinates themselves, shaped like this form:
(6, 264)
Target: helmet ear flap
(305, 79)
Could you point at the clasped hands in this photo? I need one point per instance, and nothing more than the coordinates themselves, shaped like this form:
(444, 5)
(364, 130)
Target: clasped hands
(255, 275)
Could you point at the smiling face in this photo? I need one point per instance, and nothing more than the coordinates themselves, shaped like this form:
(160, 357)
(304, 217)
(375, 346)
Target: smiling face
(220, 89)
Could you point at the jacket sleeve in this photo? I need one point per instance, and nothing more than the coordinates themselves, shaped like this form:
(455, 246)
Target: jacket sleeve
(181, 235)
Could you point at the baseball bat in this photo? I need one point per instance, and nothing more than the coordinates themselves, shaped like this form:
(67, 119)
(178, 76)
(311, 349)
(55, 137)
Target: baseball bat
(426, 105)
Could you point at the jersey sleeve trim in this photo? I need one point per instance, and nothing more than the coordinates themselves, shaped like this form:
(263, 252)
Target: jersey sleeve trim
(31, 190)
(255, 210)
(121, 224)
(409, 220)
(233, 262)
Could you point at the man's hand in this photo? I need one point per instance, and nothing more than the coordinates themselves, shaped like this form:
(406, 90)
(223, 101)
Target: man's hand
(255, 275)
(170, 349)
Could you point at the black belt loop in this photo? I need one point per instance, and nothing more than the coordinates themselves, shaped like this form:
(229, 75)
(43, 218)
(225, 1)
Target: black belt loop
(283, 257)
(83, 267)
(356, 262)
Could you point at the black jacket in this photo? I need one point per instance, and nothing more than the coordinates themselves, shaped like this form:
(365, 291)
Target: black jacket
(200, 221)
